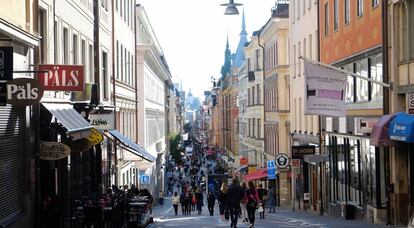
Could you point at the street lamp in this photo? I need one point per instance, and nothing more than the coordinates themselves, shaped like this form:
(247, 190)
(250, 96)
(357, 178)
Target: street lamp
(231, 8)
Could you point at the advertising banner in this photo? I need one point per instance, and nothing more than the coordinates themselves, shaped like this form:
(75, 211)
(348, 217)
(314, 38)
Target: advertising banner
(325, 91)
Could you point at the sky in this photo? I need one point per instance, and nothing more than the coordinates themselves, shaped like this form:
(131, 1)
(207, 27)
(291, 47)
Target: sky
(193, 33)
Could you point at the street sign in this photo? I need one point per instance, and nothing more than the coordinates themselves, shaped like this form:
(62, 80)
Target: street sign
(270, 164)
(145, 179)
(410, 101)
(295, 163)
(282, 161)
(169, 174)
(271, 174)
(6, 63)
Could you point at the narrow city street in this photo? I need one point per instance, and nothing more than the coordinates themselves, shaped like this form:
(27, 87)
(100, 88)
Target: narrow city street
(283, 218)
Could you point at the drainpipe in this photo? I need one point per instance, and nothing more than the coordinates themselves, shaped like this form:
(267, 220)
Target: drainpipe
(386, 105)
(114, 99)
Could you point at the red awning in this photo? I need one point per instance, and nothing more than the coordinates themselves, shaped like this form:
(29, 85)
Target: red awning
(256, 175)
(379, 134)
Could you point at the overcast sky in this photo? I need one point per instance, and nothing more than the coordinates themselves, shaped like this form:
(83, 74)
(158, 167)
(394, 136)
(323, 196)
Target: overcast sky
(192, 34)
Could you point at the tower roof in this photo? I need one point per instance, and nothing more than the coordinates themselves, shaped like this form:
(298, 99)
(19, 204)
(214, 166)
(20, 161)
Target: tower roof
(239, 57)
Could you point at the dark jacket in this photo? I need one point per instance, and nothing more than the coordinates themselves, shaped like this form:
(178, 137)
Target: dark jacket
(234, 196)
(211, 199)
(222, 197)
(199, 197)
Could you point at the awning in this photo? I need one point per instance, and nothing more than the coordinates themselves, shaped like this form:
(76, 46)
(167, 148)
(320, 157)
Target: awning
(402, 127)
(133, 147)
(65, 114)
(379, 134)
(256, 175)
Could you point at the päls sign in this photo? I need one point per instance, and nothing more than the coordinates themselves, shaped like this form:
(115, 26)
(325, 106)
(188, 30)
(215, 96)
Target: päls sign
(61, 77)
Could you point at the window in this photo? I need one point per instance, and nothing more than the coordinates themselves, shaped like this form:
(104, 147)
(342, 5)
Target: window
(122, 62)
(405, 30)
(360, 8)
(65, 46)
(361, 68)
(298, 5)
(336, 15)
(91, 70)
(375, 3)
(55, 42)
(349, 98)
(299, 65)
(309, 4)
(125, 10)
(310, 46)
(304, 48)
(346, 12)
(117, 59)
(105, 75)
(248, 97)
(326, 19)
(259, 129)
(294, 61)
(248, 64)
(122, 7)
(256, 63)
(105, 4)
(83, 53)
(253, 97)
(41, 20)
(293, 11)
(258, 94)
(254, 127)
(304, 7)
(376, 74)
(75, 49)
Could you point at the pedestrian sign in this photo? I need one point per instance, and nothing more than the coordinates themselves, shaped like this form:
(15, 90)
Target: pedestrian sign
(145, 179)
(169, 174)
(271, 164)
(271, 174)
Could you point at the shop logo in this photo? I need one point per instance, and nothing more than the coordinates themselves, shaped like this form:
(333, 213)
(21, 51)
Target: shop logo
(24, 92)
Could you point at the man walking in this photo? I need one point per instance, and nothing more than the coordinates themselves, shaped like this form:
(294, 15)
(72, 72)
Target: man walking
(234, 196)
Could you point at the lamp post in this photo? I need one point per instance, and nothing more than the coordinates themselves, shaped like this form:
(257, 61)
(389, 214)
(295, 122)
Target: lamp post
(231, 8)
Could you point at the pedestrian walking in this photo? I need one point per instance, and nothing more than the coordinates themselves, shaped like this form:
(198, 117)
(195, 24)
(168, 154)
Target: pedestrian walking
(234, 196)
(252, 202)
(161, 198)
(271, 200)
(175, 202)
(211, 200)
(222, 201)
(188, 200)
(243, 203)
(262, 200)
(199, 200)
(183, 203)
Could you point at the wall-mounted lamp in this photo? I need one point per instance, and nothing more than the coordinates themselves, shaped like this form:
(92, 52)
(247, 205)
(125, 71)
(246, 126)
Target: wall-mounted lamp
(231, 8)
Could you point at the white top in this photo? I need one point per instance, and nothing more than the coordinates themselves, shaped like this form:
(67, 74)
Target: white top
(176, 199)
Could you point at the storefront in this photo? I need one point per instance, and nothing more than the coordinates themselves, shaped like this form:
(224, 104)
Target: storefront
(401, 130)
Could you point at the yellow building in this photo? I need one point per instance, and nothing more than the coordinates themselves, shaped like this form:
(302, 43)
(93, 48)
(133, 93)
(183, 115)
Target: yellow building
(274, 38)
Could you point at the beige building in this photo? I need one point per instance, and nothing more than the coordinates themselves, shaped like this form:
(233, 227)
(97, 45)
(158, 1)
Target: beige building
(303, 22)
(274, 37)
(251, 110)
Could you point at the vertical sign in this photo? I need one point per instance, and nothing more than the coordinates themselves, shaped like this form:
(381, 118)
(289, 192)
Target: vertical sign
(271, 170)
(145, 179)
(410, 101)
(6, 63)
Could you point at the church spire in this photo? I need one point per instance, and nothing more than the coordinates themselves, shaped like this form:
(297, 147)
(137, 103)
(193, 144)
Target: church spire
(225, 69)
(243, 31)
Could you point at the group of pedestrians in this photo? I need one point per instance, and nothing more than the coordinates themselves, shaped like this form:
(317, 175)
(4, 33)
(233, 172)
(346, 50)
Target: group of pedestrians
(242, 200)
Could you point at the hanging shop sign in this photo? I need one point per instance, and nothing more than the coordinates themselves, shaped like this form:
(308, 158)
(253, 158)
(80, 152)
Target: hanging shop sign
(23, 92)
(53, 151)
(95, 137)
(80, 145)
(102, 120)
(61, 77)
(410, 103)
(6, 63)
(299, 151)
(145, 179)
(244, 161)
(282, 161)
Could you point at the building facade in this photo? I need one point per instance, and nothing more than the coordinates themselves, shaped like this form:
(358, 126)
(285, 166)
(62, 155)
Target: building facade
(273, 38)
(350, 38)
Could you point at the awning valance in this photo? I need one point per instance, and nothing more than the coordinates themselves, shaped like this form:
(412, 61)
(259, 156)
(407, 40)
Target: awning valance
(402, 128)
(256, 175)
(71, 120)
(379, 134)
(132, 146)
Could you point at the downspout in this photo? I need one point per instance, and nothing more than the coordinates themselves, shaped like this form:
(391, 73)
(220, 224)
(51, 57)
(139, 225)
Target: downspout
(386, 105)
(136, 75)
(321, 166)
(113, 97)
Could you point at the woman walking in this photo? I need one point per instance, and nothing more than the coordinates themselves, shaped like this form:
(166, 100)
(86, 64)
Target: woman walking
(243, 203)
(252, 202)
(271, 200)
(199, 200)
(222, 201)
(175, 202)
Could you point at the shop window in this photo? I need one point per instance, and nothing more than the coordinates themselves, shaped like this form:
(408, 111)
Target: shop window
(350, 90)
(376, 74)
(361, 68)
(405, 33)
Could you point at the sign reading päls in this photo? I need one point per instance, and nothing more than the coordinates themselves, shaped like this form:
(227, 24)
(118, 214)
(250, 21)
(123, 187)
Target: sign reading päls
(61, 77)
